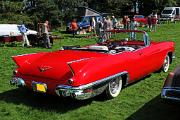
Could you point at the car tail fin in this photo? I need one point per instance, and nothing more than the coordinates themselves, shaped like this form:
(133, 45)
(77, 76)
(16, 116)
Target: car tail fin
(77, 65)
(26, 58)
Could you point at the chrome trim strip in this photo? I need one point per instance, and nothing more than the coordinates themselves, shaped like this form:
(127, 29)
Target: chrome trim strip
(78, 60)
(69, 64)
(127, 80)
(172, 88)
(96, 82)
(163, 93)
(24, 54)
(86, 91)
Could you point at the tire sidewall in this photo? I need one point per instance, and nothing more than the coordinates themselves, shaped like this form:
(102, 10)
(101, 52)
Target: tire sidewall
(108, 91)
(164, 69)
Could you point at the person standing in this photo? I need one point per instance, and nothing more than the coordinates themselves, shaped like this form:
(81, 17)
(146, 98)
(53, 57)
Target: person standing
(23, 30)
(126, 22)
(114, 22)
(99, 27)
(104, 27)
(149, 22)
(133, 26)
(45, 32)
(154, 22)
(109, 27)
(74, 27)
(93, 25)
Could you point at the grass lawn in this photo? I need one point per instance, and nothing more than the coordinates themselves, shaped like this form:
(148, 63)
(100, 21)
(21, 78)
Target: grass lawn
(140, 101)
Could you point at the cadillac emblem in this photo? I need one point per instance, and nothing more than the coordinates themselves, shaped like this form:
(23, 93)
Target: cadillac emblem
(44, 68)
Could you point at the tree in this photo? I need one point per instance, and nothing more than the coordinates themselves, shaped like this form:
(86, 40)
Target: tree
(109, 6)
(155, 5)
(11, 12)
(44, 10)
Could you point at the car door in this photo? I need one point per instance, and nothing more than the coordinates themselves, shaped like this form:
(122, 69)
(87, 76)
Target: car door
(149, 56)
(143, 62)
(145, 59)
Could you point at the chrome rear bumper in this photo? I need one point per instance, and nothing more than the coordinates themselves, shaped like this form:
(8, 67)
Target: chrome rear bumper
(79, 93)
(17, 81)
(86, 91)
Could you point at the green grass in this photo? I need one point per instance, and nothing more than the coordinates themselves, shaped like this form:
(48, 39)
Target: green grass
(139, 101)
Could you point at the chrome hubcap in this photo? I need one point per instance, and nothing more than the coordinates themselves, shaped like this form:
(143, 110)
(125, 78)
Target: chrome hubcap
(166, 64)
(114, 86)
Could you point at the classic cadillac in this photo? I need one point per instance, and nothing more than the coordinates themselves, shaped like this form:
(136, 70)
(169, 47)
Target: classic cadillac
(84, 72)
(171, 88)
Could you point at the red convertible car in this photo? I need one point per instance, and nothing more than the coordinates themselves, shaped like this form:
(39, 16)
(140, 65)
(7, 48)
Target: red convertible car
(84, 72)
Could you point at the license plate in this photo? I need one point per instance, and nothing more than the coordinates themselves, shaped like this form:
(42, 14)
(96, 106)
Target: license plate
(39, 87)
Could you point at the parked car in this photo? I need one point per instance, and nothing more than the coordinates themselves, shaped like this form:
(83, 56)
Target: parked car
(171, 88)
(11, 33)
(140, 19)
(84, 72)
(84, 22)
(170, 13)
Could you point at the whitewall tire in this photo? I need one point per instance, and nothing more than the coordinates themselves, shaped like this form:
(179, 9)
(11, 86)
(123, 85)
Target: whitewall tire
(114, 87)
(166, 63)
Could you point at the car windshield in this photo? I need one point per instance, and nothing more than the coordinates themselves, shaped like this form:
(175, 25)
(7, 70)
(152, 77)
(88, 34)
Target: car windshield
(167, 11)
(118, 41)
(128, 36)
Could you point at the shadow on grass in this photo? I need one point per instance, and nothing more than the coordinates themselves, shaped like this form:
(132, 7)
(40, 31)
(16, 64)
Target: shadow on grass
(42, 101)
(157, 109)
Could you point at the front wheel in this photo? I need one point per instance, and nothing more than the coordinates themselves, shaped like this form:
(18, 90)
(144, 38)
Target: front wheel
(166, 63)
(114, 87)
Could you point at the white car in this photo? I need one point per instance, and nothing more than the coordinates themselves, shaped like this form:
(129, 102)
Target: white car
(11, 33)
(13, 30)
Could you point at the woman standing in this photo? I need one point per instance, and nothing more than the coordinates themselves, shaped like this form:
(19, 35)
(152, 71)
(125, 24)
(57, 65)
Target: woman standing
(74, 27)
(154, 22)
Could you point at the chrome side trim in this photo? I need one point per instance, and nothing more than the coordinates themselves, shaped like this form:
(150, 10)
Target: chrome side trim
(172, 88)
(100, 81)
(69, 64)
(127, 79)
(72, 71)
(78, 60)
(88, 90)
(24, 54)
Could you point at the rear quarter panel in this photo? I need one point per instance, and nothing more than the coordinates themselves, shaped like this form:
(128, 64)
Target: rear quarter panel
(164, 49)
(100, 68)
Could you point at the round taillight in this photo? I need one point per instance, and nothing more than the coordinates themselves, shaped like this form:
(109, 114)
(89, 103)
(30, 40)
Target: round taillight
(15, 72)
(70, 81)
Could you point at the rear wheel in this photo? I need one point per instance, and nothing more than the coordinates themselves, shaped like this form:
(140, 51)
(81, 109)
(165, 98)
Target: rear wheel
(114, 87)
(166, 63)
